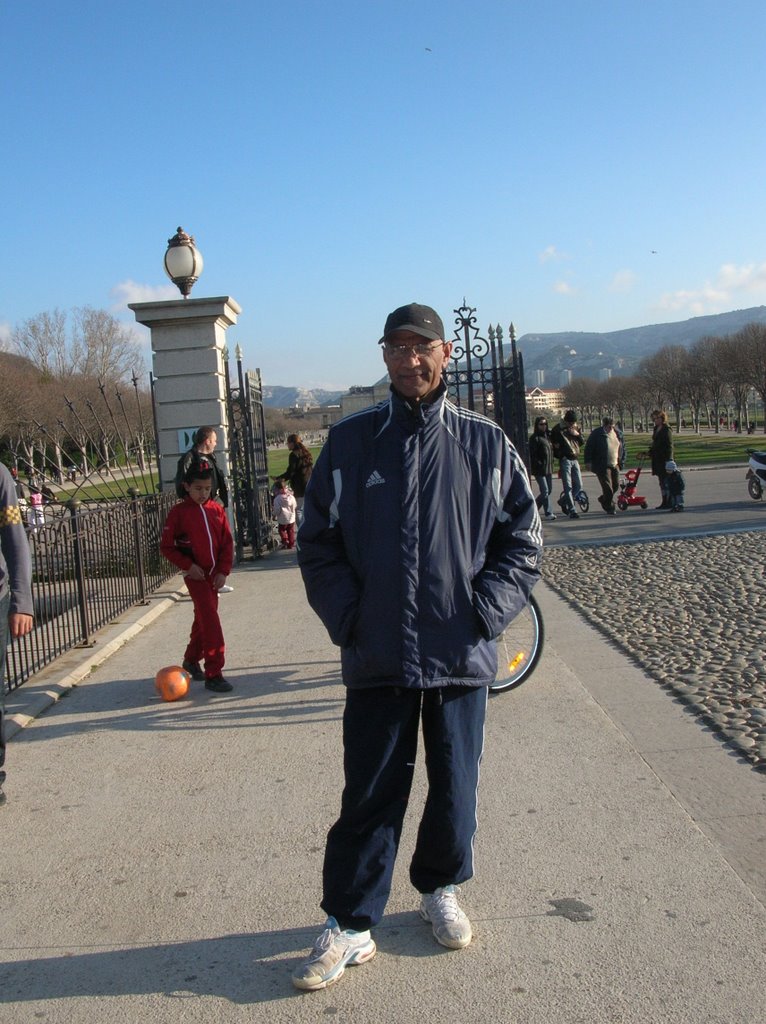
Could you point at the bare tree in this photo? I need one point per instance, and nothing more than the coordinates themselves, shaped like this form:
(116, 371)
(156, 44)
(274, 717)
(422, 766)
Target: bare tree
(665, 373)
(738, 377)
(710, 354)
(104, 348)
(753, 341)
(43, 340)
(582, 394)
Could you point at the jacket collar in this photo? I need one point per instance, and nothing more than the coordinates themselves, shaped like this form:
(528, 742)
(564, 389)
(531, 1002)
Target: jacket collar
(418, 412)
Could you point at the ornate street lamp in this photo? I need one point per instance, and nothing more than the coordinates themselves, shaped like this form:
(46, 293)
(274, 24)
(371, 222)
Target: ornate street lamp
(183, 262)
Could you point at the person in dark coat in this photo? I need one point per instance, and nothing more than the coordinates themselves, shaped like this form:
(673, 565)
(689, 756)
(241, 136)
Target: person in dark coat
(421, 542)
(605, 456)
(661, 452)
(567, 439)
(298, 473)
(201, 456)
(541, 464)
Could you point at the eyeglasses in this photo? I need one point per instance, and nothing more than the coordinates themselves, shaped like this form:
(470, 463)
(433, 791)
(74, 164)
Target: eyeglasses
(423, 348)
(543, 423)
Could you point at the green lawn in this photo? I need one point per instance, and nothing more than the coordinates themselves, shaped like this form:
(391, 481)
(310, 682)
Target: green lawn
(689, 449)
(278, 459)
(701, 450)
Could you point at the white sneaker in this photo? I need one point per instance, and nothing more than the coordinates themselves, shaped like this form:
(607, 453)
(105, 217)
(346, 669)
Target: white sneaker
(450, 925)
(550, 516)
(333, 951)
(225, 589)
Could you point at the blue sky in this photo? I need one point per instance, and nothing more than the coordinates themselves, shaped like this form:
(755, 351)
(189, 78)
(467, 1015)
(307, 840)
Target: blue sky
(571, 165)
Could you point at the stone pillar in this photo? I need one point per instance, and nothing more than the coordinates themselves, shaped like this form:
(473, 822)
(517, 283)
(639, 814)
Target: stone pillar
(188, 344)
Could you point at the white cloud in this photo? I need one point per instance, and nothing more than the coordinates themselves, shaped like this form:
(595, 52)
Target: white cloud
(731, 286)
(564, 288)
(622, 281)
(552, 255)
(131, 291)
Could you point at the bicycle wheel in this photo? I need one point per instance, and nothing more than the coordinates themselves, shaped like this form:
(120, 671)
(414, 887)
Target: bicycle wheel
(519, 648)
(583, 501)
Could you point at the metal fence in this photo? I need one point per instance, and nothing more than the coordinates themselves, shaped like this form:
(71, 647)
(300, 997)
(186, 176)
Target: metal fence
(248, 461)
(483, 378)
(91, 562)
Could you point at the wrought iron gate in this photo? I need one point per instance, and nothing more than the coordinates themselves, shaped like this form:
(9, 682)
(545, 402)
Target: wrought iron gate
(251, 494)
(479, 378)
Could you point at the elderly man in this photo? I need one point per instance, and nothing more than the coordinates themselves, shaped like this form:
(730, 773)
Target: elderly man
(605, 456)
(420, 543)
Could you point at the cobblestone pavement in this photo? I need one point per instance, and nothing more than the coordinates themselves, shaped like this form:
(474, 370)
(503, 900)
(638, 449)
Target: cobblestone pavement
(701, 627)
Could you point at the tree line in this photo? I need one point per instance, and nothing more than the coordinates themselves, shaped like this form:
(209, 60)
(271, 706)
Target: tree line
(713, 380)
(74, 393)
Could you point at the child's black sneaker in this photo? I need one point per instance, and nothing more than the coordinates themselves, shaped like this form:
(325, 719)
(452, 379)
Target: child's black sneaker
(218, 684)
(194, 669)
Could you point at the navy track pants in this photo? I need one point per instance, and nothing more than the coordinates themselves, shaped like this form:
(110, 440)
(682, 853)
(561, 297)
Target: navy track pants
(380, 739)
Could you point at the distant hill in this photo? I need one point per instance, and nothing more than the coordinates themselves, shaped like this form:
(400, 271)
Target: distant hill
(586, 353)
(278, 397)
(9, 361)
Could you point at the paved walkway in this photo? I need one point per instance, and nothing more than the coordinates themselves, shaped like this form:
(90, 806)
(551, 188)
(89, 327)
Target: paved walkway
(162, 863)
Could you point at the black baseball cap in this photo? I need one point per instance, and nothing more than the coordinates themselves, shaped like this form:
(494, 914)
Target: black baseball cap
(416, 318)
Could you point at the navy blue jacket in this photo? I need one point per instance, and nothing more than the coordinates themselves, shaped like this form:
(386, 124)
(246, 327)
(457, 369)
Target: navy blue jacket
(421, 541)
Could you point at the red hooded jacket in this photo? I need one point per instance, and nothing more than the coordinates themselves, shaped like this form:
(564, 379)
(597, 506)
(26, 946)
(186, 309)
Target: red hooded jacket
(198, 534)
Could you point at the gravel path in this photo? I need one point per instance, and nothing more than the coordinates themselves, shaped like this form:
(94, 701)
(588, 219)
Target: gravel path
(691, 612)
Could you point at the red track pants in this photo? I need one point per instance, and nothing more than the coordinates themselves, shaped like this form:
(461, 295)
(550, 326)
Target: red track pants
(206, 642)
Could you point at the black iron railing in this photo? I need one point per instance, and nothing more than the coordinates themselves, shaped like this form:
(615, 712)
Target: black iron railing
(91, 562)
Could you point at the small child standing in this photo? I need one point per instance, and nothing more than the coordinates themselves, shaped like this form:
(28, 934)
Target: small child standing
(197, 538)
(285, 507)
(675, 485)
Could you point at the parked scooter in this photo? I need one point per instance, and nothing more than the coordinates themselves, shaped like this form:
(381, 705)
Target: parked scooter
(756, 474)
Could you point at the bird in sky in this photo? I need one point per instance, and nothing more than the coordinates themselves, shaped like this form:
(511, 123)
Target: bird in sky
(429, 50)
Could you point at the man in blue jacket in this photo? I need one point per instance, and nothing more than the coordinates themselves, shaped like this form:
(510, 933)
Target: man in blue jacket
(421, 541)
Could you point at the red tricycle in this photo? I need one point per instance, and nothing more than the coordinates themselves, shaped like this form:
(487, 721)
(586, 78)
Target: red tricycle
(629, 487)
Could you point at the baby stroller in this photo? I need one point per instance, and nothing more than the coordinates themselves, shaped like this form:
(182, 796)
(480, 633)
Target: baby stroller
(629, 487)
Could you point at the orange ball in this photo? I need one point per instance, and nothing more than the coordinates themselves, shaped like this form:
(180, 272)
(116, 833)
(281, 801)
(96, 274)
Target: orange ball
(172, 682)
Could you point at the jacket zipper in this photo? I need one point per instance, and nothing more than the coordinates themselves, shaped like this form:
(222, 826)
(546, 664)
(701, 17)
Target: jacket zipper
(210, 540)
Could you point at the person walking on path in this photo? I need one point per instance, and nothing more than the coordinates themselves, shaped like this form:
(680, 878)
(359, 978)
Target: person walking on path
(299, 466)
(541, 464)
(284, 507)
(605, 456)
(16, 607)
(197, 538)
(201, 454)
(567, 440)
(661, 452)
(421, 541)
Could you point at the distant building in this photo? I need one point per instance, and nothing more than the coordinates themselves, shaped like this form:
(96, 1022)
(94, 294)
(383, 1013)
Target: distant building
(331, 414)
(605, 374)
(538, 378)
(358, 398)
(542, 399)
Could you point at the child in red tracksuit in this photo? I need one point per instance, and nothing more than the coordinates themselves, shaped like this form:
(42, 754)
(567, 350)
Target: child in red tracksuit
(196, 537)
